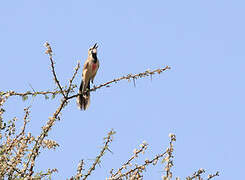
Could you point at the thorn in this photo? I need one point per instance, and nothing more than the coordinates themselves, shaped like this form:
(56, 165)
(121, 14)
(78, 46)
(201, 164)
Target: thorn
(134, 82)
(32, 88)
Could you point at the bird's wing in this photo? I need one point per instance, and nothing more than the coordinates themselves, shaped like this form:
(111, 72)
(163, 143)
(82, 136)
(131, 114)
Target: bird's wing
(98, 66)
(85, 66)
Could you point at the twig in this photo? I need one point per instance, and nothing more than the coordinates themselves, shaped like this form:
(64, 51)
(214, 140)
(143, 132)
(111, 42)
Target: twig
(50, 123)
(50, 53)
(141, 167)
(32, 88)
(22, 131)
(13, 93)
(102, 152)
(135, 172)
(46, 128)
(70, 81)
(128, 77)
(169, 158)
(210, 176)
(136, 153)
(196, 174)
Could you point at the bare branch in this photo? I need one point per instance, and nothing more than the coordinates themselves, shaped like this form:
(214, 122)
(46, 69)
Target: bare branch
(141, 167)
(210, 176)
(143, 147)
(51, 121)
(108, 139)
(135, 173)
(34, 93)
(50, 53)
(128, 77)
(169, 158)
(46, 129)
(196, 174)
(79, 169)
(27, 112)
(13, 93)
(71, 80)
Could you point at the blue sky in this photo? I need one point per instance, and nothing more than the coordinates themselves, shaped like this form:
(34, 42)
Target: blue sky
(201, 99)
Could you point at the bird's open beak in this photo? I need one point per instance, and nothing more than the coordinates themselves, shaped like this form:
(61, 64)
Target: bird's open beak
(95, 46)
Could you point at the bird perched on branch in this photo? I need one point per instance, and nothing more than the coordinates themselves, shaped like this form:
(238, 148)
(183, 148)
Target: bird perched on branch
(90, 69)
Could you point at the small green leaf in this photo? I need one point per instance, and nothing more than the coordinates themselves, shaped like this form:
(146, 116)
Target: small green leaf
(24, 98)
(53, 96)
(46, 96)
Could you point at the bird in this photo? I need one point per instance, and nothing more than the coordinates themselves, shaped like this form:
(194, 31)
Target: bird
(89, 71)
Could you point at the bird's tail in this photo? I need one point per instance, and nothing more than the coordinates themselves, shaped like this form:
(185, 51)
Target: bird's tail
(83, 99)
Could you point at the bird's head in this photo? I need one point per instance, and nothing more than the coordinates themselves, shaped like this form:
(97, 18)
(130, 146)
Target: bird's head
(93, 49)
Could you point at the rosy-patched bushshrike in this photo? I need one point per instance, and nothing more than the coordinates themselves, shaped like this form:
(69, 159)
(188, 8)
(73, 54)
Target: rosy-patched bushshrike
(90, 69)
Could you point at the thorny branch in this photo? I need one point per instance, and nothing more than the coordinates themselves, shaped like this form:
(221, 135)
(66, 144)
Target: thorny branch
(27, 112)
(107, 84)
(71, 80)
(14, 148)
(142, 167)
(51, 121)
(108, 139)
(13, 93)
(210, 176)
(169, 158)
(142, 149)
(50, 53)
(134, 173)
(79, 170)
(127, 77)
(198, 174)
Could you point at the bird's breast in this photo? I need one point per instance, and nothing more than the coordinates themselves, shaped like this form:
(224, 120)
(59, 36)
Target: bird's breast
(94, 66)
